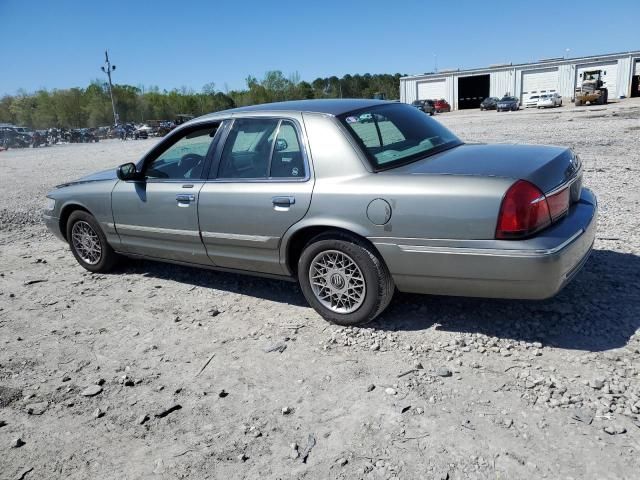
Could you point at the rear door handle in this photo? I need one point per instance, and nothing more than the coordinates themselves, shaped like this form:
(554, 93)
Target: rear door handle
(283, 201)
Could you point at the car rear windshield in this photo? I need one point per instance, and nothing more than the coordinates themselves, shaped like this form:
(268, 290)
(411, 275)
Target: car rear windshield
(396, 134)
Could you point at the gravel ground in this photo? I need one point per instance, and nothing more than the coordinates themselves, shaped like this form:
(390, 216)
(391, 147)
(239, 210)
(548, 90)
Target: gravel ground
(160, 371)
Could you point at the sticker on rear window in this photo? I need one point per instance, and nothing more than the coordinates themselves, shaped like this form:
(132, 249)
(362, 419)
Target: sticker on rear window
(352, 119)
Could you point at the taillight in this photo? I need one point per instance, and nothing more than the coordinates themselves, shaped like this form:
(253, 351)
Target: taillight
(559, 203)
(524, 210)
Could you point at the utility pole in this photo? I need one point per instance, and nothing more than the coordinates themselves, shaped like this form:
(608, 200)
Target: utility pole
(108, 68)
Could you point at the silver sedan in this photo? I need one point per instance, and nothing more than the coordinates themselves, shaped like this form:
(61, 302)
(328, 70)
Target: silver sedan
(351, 198)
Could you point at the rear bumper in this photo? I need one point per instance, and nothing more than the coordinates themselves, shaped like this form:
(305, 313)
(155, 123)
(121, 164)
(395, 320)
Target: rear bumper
(535, 268)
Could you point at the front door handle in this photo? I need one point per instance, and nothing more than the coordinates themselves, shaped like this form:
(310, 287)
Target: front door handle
(283, 201)
(184, 199)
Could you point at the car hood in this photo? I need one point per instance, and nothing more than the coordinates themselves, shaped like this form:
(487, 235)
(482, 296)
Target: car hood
(545, 166)
(110, 174)
(506, 102)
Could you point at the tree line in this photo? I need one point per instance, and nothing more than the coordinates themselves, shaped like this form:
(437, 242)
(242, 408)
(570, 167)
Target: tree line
(91, 106)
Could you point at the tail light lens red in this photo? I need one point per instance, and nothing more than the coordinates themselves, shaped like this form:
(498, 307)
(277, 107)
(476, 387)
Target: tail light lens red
(559, 203)
(524, 211)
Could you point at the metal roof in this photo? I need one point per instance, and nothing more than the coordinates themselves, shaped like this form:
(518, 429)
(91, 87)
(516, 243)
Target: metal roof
(331, 106)
(538, 64)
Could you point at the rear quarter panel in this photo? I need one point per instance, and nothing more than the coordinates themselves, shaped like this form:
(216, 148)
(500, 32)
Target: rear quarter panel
(423, 206)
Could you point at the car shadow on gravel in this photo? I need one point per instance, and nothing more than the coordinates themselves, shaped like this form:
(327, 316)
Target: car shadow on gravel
(599, 310)
(274, 290)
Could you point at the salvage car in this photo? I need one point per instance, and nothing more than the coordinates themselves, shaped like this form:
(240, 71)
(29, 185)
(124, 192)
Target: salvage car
(508, 104)
(351, 198)
(426, 106)
(531, 101)
(489, 103)
(549, 100)
(442, 106)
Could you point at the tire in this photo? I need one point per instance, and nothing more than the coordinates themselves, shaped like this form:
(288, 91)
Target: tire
(82, 224)
(377, 284)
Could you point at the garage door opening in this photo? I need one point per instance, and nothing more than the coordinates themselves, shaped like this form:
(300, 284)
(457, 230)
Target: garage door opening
(472, 90)
(635, 86)
(635, 80)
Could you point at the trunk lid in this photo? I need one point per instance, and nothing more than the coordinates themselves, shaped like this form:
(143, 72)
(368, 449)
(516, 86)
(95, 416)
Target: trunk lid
(547, 167)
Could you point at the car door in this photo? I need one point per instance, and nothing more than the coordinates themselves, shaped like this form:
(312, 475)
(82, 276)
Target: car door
(260, 185)
(157, 216)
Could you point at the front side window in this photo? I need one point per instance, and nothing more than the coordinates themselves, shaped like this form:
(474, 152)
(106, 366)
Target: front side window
(260, 148)
(395, 134)
(185, 158)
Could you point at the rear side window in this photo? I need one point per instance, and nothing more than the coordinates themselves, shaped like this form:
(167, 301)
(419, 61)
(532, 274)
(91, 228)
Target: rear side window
(258, 148)
(287, 161)
(396, 134)
(248, 148)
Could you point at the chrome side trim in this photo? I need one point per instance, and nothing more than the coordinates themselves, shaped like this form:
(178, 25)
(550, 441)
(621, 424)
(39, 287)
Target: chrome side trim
(252, 273)
(162, 231)
(238, 237)
(496, 252)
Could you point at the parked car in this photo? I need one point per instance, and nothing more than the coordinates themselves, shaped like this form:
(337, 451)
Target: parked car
(549, 100)
(442, 106)
(489, 103)
(83, 135)
(39, 139)
(142, 132)
(395, 203)
(102, 132)
(508, 104)
(426, 106)
(24, 131)
(13, 137)
(531, 101)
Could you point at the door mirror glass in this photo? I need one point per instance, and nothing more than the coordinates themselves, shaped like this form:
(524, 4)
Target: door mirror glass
(127, 171)
(281, 145)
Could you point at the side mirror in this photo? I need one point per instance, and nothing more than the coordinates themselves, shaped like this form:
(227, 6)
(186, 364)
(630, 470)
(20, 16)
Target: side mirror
(281, 145)
(127, 171)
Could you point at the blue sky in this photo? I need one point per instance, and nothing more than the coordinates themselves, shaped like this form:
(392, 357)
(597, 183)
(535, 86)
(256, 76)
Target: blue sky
(171, 44)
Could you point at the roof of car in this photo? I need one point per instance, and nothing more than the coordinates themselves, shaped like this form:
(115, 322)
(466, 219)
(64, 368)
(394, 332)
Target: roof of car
(333, 106)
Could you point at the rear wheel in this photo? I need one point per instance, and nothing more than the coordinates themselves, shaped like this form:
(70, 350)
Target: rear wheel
(344, 280)
(89, 244)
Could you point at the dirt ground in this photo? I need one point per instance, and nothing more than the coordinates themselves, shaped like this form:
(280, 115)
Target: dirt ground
(160, 371)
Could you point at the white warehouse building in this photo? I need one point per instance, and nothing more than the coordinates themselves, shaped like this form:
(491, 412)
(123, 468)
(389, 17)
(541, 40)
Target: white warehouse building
(467, 88)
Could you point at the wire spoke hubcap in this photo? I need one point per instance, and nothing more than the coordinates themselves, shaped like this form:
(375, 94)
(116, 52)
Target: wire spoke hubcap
(86, 242)
(337, 282)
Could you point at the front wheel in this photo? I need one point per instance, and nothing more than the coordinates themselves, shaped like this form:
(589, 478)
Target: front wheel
(344, 280)
(89, 244)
